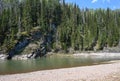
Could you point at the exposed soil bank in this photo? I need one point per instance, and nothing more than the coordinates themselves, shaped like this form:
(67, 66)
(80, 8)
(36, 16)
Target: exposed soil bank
(104, 72)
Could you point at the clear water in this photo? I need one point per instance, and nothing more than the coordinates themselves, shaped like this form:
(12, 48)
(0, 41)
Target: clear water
(51, 62)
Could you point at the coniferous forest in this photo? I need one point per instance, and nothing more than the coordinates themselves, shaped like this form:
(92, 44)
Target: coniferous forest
(70, 26)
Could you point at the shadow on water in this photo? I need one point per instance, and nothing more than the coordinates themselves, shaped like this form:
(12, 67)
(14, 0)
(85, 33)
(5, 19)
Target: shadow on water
(51, 62)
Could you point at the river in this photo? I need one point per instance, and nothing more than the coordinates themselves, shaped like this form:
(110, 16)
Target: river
(53, 62)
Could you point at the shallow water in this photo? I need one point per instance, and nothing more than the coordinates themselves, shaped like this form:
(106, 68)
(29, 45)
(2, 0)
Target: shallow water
(52, 62)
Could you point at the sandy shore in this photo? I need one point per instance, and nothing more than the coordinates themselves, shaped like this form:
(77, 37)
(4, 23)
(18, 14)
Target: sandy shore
(104, 72)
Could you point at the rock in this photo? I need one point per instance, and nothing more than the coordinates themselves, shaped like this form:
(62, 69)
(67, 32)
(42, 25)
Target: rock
(40, 50)
(71, 50)
(18, 47)
(11, 54)
(20, 57)
(3, 56)
(111, 49)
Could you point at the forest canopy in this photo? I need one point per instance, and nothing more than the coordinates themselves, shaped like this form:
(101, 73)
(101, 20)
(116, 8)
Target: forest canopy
(80, 29)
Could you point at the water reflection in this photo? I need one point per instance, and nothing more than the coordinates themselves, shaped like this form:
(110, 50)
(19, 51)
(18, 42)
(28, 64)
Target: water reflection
(52, 62)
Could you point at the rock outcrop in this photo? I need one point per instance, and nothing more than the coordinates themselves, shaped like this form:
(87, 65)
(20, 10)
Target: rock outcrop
(18, 47)
(41, 50)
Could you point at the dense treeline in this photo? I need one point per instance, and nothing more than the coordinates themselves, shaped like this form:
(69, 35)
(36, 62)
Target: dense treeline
(80, 29)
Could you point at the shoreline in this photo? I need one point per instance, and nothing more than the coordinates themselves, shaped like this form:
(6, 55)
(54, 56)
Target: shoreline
(25, 56)
(103, 72)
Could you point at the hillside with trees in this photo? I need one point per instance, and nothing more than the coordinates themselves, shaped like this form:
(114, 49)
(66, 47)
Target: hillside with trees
(67, 25)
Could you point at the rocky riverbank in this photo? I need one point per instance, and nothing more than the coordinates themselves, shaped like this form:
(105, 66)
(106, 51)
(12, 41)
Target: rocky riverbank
(3, 56)
(29, 53)
(20, 57)
(104, 72)
(17, 57)
(87, 54)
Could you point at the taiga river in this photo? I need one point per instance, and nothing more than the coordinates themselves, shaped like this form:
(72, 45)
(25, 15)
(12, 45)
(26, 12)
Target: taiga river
(52, 62)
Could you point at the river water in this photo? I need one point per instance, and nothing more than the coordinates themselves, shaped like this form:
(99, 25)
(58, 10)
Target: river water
(52, 62)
